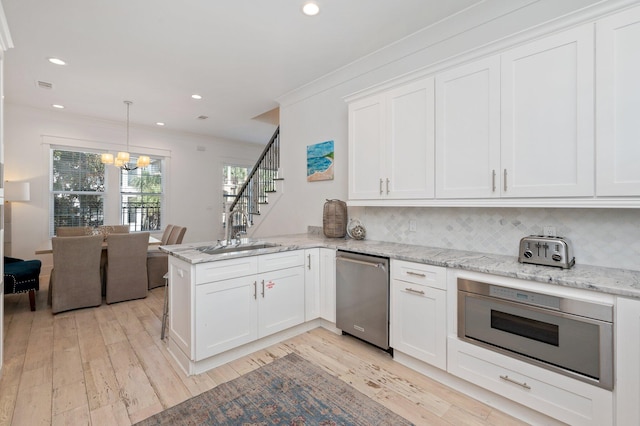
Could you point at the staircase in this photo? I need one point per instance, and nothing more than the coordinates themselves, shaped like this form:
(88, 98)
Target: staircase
(254, 193)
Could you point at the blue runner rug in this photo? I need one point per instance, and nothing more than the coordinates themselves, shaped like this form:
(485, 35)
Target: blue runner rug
(288, 391)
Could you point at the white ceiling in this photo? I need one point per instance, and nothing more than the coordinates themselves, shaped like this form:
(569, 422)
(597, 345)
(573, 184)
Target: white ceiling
(240, 55)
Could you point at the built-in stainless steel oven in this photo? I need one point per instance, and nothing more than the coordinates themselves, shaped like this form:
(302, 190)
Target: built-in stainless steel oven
(572, 337)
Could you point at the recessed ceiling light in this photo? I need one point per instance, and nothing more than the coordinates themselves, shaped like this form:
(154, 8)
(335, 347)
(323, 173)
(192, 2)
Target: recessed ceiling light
(57, 61)
(196, 96)
(310, 9)
(159, 123)
(58, 106)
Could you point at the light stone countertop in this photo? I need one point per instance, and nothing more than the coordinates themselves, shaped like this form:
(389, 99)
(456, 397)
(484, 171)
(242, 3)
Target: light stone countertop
(620, 282)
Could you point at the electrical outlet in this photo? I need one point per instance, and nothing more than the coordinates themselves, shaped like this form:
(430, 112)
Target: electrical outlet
(412, 226)
(549, 231)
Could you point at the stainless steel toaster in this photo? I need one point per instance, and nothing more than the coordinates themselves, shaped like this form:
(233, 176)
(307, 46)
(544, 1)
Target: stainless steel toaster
(544, 250)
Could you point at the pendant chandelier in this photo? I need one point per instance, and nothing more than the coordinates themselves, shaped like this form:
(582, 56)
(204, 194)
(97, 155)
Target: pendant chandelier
(122, 159)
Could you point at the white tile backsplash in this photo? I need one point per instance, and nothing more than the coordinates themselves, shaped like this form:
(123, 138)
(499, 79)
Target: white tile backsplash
(601, 237)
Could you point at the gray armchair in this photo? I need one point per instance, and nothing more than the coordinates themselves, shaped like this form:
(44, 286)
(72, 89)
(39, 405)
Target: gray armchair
(75, 279)
(126, 266)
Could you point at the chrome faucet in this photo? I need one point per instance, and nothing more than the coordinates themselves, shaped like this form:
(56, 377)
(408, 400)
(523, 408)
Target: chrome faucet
(230, 226)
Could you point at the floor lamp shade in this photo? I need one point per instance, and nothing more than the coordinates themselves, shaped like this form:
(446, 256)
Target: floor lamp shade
(16, 191)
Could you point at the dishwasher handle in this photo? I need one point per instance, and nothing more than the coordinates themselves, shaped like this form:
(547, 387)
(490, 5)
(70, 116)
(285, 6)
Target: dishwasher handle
(362, 262)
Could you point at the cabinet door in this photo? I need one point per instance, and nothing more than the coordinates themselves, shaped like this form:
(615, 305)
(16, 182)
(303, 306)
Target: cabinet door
(328, 284)
(618, 95)
(280, 300)
(418, 322)
(547, 117)
(409, 141)
(312, 284)
(627, 361)
(226, 315)
(366, 127)
(468, 131)
(181, 305)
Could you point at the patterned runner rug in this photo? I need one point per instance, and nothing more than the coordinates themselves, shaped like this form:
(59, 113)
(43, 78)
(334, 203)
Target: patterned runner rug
(289, 391)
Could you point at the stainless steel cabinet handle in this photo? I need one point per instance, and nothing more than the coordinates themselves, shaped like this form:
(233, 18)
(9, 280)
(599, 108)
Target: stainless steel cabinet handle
(410, 290)
(515, 382)
(309, 261)
(387, 186)
(255, 289)
(493, 180)
(416, 274)
(505, 180)
(263, 289)
(380, 186)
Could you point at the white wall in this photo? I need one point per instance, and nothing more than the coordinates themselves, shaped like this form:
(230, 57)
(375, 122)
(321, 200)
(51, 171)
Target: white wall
(318, 112)
(193, 178)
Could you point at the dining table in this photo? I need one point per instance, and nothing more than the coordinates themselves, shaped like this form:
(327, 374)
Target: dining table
(46, 248)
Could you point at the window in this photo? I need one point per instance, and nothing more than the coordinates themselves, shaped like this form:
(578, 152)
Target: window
(81, 197)
(233, 177)
(141, 196)
(77, 189)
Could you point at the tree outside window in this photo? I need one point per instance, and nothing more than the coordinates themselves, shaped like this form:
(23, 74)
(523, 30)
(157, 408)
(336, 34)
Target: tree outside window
(77, 189)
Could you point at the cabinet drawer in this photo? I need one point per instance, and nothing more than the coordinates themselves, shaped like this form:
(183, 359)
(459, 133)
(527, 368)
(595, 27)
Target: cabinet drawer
(555, 395)
(282, 260)
(226, 269)
(418, 273)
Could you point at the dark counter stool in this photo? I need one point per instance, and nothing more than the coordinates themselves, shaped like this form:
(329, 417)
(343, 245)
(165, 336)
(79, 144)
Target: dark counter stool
(22, 276)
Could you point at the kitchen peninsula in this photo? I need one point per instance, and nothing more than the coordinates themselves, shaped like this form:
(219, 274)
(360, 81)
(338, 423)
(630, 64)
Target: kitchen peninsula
(223, 306)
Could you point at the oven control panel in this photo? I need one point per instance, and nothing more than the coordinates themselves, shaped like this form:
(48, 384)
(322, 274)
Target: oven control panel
(528, 297)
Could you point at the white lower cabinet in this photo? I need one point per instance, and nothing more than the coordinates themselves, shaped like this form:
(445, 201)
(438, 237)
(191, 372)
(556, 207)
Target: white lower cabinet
(241, 310)
(280, 300)
(328, 284)
(218, 306)
(312, 284)
(227, 315)
(627, 358)
(418, 312)
(555, 395)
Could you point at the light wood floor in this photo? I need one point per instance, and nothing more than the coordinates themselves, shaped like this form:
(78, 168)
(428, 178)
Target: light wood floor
(107, 366)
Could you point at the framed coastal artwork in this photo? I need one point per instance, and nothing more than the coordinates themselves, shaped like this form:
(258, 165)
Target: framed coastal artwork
(320, 161)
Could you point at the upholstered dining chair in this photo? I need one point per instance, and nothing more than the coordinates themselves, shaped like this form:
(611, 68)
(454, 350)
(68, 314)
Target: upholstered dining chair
(75, 279)
(73, 231)
(126, 266)
(165, 235)
(158, 261)
(177, 234)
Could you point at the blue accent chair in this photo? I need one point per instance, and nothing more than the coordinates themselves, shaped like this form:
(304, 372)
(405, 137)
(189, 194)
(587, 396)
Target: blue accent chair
(22, 276)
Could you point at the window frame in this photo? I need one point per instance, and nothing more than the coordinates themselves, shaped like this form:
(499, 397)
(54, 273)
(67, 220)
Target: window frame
(111, 201)
(52, 193)
(158, 226)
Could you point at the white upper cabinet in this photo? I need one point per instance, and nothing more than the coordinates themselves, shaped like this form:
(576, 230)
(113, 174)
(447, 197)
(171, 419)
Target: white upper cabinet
(547, 102)
(391, 151)
(409, 141)
(618, 104)
(366, 127)
(468, 130)
(519, 124)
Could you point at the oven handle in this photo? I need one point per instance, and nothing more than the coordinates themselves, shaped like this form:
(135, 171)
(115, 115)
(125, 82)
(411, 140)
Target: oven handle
(362, 262)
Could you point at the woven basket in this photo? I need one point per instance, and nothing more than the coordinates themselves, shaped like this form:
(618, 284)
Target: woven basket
(334, 219)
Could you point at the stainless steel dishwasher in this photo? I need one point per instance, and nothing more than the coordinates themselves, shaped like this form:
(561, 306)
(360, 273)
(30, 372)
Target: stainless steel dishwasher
(362, 297)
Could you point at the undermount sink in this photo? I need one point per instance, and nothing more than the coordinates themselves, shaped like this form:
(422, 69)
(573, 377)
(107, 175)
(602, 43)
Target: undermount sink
(219, 249)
